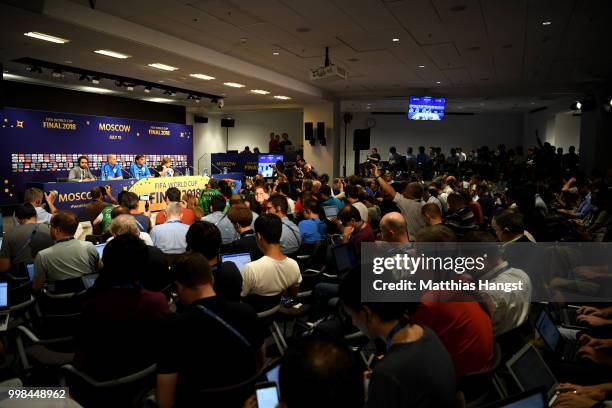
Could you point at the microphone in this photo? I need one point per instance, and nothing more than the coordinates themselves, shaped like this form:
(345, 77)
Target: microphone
(128, 174)
(155, 170)
(216, 167)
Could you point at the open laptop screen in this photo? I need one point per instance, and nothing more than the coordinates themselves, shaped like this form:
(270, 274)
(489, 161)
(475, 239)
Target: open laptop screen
(549, 332)
(30, 269)
(530, 370)
(239, 259)
(3, 294)
(100, 249)
(330, 211)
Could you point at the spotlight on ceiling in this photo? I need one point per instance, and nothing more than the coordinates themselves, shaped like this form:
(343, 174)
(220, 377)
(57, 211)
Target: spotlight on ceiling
(576, 105)
(95, 80)
(147, 89)
(129, 87)
(56, 73)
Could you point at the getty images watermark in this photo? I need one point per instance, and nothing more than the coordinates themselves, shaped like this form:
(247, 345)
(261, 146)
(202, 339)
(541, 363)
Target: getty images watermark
(546, 272)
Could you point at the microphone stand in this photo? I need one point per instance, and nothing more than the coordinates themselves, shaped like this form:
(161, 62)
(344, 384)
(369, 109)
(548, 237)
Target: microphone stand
(156, 172)
(126, 172)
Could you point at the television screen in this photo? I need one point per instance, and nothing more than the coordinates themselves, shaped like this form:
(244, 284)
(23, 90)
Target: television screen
(426, 108)
(266, 161)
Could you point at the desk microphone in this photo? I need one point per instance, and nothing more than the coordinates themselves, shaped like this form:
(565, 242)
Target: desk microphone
(155, 170)
(128, 174)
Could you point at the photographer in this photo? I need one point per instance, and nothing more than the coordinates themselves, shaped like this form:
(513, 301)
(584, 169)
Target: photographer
(99, 197)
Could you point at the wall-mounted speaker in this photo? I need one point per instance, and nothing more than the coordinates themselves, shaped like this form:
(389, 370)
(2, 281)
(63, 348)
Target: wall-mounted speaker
(308, 131)
(320, 130)
(361, 139)
(227, 122)
(200, 119)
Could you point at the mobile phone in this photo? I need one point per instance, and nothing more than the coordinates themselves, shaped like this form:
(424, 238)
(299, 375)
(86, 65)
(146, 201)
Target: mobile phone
(267, 395)
(144, 197)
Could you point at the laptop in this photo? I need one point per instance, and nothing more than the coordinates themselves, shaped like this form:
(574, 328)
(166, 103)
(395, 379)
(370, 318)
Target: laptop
(566, 349)
(568, 316)
(100, 249)
(529, 370)
(30, 269)
(4, 309)
(345, 257)
(535, 398)
(331, 211)
(239, 259)
(89, 280)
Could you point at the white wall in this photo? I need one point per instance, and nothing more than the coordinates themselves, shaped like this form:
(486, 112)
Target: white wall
(323, 158)
(252, 128)
(468, 132)
(555, 125)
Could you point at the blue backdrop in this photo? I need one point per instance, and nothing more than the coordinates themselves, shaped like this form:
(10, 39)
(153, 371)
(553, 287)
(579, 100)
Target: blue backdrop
(38, 146)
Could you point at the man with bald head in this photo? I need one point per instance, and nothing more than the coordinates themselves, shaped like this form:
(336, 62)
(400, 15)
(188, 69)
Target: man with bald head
(111, 170)
(393, 228)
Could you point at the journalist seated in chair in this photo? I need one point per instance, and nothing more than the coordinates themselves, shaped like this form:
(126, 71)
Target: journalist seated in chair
(214, 343)
(69, 258)
(22, 242)
(273, 274)
(291, 238)
(241, 217)
(120, 320)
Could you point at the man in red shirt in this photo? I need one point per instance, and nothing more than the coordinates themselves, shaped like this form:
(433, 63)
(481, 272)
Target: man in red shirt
(463, 327)
(354, 228)
(173, 195)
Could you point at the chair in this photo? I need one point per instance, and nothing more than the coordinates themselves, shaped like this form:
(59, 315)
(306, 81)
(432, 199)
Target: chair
(93, 393)
(313, 256)
(476, 387)
(50, 351)
(268, 317)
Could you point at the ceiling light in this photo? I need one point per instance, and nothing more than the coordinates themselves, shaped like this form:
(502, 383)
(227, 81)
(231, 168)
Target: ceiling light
(147, 89)
(421, 66)
(163, 66)
(198, 99)
(113, 54)
(260, 91)
(202, 76)
(284, 98)
(159, 100)
(233, 84)
(46, 37)
(129, 87)
(395, 39)
(438, 82)
(95, 80)
(546, 23)
(275, 53)
(576, 105)
(93, 89)
(56, 73)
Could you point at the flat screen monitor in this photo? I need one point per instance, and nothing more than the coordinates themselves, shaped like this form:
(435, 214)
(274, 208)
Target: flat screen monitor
(239, 259)
(266, 162)
(426, 108)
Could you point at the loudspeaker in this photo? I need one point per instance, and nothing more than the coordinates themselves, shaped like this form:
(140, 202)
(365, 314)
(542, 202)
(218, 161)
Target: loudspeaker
(1, 86)
(320, 130)
(308, 131)
(200, 119)
(361, 139)
(227, 123)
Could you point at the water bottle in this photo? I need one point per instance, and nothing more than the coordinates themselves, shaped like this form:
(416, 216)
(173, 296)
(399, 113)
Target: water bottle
(205, 174)
(225, 170)
(168, 173)
(187, 172)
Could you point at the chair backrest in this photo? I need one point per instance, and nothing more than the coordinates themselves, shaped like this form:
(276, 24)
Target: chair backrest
(475, 385)
(232, 395)
(263, 303)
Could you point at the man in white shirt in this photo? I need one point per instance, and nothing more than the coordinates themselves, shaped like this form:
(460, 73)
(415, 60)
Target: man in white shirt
(35, 197)
(274, 273)
(409, 204)
(170, 236)
(508, 309)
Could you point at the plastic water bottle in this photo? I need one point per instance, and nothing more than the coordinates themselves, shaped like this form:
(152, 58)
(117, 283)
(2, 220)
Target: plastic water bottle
(225, 170)
(187, 172)
(205, 173)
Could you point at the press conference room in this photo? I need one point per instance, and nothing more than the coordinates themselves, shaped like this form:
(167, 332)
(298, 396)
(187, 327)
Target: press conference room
(297, 204)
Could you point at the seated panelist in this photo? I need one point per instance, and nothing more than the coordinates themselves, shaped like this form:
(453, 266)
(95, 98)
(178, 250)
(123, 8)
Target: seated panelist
(165, 169)
(139, 170)
(111, 170)
(81, 172)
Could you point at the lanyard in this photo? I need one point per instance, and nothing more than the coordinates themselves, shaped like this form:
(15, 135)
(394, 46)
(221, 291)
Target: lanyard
(224, 323)
(399, 326)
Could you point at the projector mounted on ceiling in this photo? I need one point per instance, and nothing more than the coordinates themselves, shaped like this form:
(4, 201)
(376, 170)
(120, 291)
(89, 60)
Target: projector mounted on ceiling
(329, 71)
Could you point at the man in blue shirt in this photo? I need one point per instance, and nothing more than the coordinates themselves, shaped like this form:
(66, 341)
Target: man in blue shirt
(311, 228)
(328, 199)
(220, 220)
(111, 170)
(138, 170)
(170, 236)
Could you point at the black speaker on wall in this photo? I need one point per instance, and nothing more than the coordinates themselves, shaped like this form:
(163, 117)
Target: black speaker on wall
(1, 86)
(200, 119)
(361, 139)
(321, 133)
(227, 123)
(308, 131)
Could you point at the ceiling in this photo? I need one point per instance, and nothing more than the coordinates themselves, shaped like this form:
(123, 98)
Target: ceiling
(482, 55)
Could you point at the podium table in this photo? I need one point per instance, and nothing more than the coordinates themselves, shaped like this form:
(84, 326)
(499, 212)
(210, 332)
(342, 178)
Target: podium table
(74, 196)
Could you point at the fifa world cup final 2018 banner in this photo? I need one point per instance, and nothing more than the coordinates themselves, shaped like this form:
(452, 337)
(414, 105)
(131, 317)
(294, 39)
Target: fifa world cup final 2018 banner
(38, 146)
